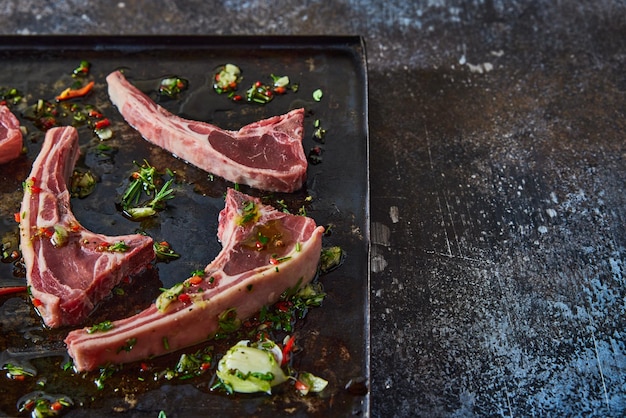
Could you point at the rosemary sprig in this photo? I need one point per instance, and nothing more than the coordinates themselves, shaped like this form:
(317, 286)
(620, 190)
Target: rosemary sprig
(144, 182)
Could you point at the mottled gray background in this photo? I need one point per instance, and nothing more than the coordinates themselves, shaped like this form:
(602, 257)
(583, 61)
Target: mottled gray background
(497, 188)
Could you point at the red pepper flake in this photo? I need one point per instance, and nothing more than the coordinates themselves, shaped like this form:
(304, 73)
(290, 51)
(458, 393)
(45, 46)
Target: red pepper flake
(274, 261)
(205, 366)
(195, 280)
(56, 406)
(301, 386)
(101, 124)
(37, 303)
(280, 90)
(46, 232)
(17, 217)
(18, 377)
(69, 93)
(95, 114)
(184, 298)
(287, 349)
(283, 305)
(11, 290)
(145, 367)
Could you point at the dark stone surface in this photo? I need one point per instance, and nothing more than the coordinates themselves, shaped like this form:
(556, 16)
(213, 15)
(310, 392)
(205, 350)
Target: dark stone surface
(497, 188)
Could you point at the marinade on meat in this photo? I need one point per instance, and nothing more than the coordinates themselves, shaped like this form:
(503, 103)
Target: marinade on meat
(265, 252)
(68, 268)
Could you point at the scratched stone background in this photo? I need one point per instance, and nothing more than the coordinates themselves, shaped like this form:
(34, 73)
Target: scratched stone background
(498, 170)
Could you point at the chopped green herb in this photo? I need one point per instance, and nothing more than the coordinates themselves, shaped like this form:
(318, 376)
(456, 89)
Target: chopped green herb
(164, 251)
(128, 345)
(145, 182)
(330, 258)
(172, 86)
(228, 321)
(101, 327)
(317, 95)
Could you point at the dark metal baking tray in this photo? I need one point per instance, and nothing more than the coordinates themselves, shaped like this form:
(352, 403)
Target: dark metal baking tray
(334, 337)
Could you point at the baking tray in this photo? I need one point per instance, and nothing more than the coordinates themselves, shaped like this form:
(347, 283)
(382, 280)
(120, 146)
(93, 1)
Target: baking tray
(334, 337)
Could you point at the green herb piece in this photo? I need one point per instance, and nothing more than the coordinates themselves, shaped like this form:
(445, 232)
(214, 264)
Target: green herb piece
(117, 247)
(82, 184)
(259, 93)
(168, 296)
(82, 70)
(60, 236)
(14, 370)
(308, 382)
(227, 79)
(330, 258)
(144, 184)
(228, 321)
(164, 251)
(10, 95)
(101, 327)
(105, 373)
(249, 213)
(128, 345)
(317, 95)
(172, 86)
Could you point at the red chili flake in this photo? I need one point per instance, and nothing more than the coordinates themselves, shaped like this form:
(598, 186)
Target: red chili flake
(145, 367)
(283, 305)
(184, 298)
(101, 124)
(258, 84)
(19, 377)
(237, 98)
(135, 175)
(195, 280)
(74, 227)
(205, 366)
(46, 232)
(56, 406)
(17, 217)
(95, 114)
(259, 245)
(37, 303)
(274, 261)
(280, 90)
(12, 290)
(287, 349)
(301, 386)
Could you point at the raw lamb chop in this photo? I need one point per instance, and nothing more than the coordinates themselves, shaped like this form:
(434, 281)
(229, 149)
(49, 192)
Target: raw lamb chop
(265, 252)
(10, 136)
(68, 268)
(267, 154)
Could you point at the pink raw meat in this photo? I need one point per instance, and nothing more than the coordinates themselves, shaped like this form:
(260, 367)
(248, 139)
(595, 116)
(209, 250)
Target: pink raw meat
(10, 136)
(69, 269)
(243, 277)
(267, 154)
